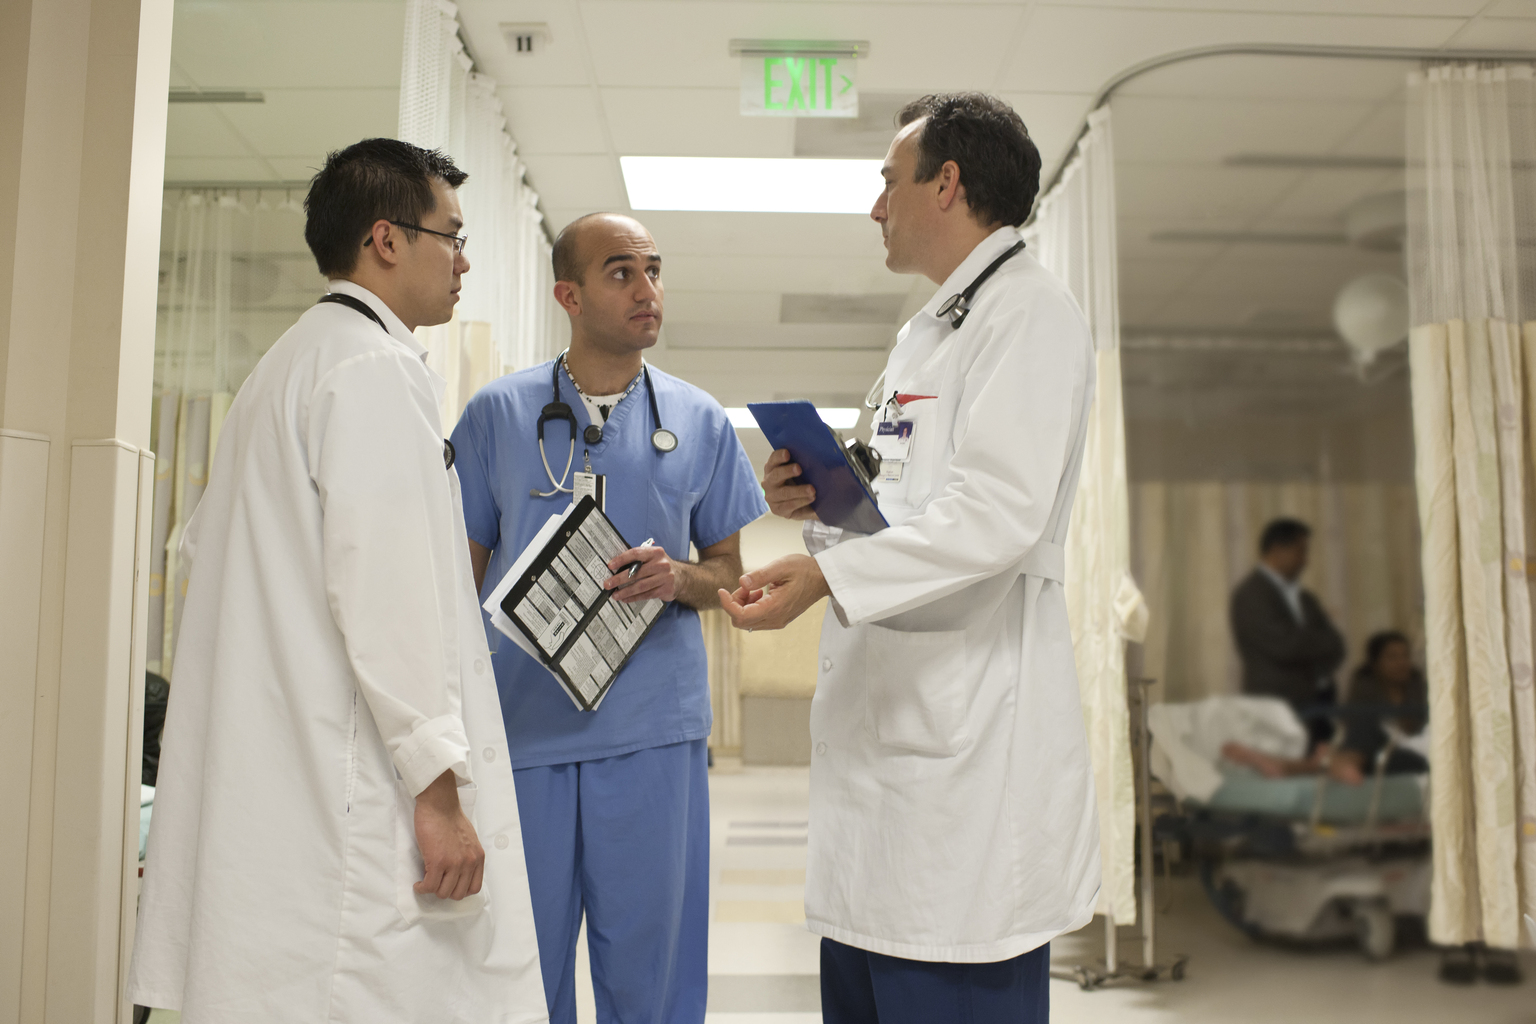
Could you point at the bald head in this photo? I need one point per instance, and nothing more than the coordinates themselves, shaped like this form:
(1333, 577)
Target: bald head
(573, 246)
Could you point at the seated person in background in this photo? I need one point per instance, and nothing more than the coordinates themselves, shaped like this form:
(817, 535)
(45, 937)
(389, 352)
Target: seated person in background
(1387, 679)
(1289, 647)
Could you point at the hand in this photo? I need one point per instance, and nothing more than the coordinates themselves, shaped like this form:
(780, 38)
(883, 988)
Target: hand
(787, 500)
(454, 858)
(775, 595)
(656, 578)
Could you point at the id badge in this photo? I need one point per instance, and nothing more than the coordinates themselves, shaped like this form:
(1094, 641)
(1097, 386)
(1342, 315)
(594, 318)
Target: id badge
(893, 440)
(594, 484)
(890, 472)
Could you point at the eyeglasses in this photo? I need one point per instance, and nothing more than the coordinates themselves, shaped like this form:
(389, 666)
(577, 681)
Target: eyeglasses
(459, 241)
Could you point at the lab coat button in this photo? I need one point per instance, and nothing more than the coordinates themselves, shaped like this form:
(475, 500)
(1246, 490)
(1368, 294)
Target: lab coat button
(826, 664)
(490, 753)
(479, 666)
(821, 748)
(501, 842)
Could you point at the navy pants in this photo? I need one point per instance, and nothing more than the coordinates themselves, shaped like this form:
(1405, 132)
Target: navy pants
(860, 987)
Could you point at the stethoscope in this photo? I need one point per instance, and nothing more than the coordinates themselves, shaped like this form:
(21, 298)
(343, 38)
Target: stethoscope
(662, 439)
(955, 310)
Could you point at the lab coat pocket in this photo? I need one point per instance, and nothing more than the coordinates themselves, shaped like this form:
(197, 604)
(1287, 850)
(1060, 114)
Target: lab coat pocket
(410, 868)
(917, 692)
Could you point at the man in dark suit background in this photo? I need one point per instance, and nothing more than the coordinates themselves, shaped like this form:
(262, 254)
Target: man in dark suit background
(1290, 648)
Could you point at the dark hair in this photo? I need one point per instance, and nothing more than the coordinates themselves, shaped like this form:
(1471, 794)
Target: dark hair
(999, 164)
(1282, 533)
(564, 256)
(1377, 645)
(370, 181)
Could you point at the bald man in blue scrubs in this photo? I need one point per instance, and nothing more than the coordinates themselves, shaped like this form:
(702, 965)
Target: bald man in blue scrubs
(614, 802)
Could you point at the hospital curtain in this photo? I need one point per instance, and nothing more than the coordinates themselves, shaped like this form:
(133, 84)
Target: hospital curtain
(226, 294)
(1193, 541)
(506, 318)
(1073, 235)
(1472, 351)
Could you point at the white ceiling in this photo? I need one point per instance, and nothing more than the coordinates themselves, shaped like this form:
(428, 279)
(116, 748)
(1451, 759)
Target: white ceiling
(654, 77)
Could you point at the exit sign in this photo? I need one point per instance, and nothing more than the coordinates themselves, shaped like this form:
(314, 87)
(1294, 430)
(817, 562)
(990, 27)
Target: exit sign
(792, 85)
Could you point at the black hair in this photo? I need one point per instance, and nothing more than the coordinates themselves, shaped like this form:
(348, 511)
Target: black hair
(564, 257)
(370, 181)
(1377, 645)
(1282, 533)
(999, 164)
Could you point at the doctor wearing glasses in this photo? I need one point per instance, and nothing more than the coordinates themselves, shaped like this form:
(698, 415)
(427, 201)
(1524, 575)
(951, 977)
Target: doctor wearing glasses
(615, 801)
(953, 830)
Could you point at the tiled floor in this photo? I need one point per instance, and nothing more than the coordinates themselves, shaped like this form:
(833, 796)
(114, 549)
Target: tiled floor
(763, 963)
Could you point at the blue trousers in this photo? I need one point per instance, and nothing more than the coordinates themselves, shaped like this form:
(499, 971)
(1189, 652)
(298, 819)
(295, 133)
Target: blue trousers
(624, 840)
(860, 987)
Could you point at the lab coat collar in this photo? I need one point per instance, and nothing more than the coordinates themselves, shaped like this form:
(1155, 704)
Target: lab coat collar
(392, 323)
(987, 250)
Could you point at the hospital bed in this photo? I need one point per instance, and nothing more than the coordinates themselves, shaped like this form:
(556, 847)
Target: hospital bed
(1303, 858)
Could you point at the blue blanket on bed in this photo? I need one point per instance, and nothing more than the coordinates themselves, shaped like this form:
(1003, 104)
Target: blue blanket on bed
(1248, 792)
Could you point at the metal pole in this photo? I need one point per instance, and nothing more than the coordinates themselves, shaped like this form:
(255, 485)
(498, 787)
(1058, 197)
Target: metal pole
(1144, 801)
(1111, 946)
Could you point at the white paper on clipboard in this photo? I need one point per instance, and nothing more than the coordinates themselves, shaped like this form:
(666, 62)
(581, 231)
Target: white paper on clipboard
(492, 604)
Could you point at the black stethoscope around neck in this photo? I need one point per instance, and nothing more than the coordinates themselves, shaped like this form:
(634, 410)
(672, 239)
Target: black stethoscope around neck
(662, 439)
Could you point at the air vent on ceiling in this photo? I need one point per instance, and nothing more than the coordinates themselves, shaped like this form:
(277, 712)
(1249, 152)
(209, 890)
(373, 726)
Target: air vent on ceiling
(839, 309)
(526, 37)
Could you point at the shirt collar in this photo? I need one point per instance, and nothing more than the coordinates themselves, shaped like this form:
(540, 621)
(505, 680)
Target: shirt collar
(970, 268)
(392, 323)
(1287, 587)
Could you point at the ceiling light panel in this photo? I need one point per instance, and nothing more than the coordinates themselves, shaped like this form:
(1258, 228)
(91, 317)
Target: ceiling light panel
(750, 185)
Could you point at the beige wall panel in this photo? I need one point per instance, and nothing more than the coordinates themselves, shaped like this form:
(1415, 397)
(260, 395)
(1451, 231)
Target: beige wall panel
(96, 690)
(23, 500)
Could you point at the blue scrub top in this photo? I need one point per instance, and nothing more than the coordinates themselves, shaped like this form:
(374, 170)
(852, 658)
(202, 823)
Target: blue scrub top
(703, 492)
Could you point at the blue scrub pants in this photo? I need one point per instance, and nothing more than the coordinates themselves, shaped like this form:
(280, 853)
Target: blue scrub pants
(625, 839)
(860, 987)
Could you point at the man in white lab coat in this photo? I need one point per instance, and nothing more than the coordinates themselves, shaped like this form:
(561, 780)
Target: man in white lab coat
(953, 831)
(333, 757)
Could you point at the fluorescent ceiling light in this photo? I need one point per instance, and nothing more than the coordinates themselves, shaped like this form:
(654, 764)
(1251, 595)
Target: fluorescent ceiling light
(837, 419)
(750, 185)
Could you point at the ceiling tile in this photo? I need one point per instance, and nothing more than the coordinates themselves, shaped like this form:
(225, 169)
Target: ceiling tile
(215, 169)
(780, 274)
(1079, 49)
(199, 130)
(1196, 194)
(791, 235)
(1325, 194)
(589, 182)
(692, 122)
(1499, 34)
(1163, 130)
(298, 122)
(1244, 76)
(554, 119)
(345, 43)
(559, 61)
(684, 306)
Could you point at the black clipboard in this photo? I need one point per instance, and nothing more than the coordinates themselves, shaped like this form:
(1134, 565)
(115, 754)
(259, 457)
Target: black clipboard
(843, 499)
(560, 605)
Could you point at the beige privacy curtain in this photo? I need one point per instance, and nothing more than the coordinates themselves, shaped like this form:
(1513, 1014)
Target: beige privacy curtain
(1472, 266)
(507, 318)
(1073, 234)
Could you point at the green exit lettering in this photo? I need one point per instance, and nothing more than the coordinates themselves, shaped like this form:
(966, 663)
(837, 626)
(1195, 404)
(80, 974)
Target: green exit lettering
(801, 76)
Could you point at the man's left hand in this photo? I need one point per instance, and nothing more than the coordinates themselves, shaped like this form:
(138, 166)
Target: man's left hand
(656, 578)
(777, 594)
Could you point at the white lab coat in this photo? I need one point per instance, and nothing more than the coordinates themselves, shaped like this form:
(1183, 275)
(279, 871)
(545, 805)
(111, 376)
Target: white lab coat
(952, 804)
(331, 664)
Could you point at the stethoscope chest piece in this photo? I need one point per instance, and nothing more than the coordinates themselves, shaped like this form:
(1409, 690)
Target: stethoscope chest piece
(663, 440)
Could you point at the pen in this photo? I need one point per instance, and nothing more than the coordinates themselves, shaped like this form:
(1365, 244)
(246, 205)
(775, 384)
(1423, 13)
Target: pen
(634, 567)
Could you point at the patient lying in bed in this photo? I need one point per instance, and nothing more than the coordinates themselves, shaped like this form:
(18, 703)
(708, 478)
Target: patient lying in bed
(1388, 680)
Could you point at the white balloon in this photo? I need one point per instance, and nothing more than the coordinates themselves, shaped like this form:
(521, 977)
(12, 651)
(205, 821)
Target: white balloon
(1371, 314)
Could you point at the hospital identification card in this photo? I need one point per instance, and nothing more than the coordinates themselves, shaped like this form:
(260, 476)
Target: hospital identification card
(893, 440)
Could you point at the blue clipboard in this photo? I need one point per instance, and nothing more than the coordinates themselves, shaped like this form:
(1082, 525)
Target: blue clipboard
(842, 499)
